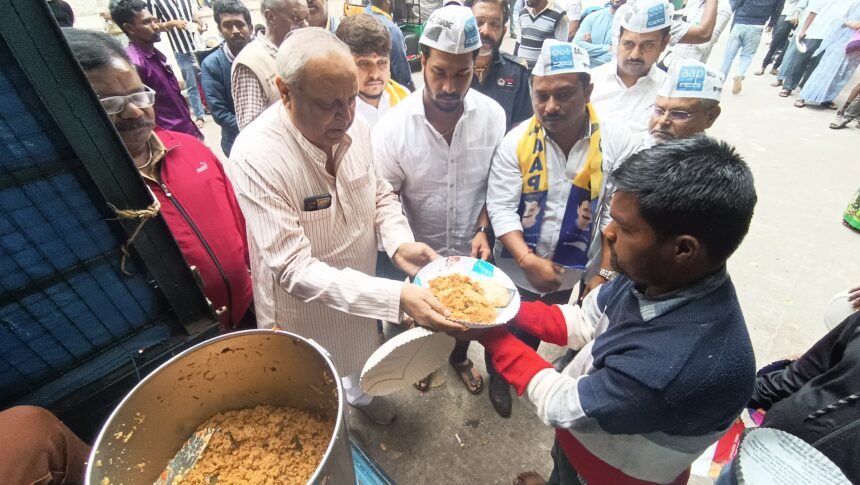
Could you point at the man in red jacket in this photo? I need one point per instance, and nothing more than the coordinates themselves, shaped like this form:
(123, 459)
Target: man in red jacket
(197, 199)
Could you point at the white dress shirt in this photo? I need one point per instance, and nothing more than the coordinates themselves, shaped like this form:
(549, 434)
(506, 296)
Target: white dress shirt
(370, 113)
(506, 185)
(312, 269)
(615, 101)
(442, 187)
(693, 12)
(829, 15)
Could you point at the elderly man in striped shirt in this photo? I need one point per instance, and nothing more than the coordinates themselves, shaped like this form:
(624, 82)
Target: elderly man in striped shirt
(304, 175)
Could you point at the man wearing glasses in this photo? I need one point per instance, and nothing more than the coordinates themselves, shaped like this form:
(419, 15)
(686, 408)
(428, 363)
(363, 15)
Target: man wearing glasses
(144, 30)
(687, 104)
(197, 199)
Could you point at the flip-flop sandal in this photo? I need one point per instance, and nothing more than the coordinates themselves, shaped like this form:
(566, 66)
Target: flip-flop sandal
(776, 83)
(465, 371)
(784, 93)
(829, 105)
(759, 72)
(799, 103)
(424, 384)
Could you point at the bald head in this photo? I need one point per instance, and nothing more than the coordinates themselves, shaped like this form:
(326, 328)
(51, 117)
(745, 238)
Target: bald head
(282, 17)
(308, 45)
(318, 82)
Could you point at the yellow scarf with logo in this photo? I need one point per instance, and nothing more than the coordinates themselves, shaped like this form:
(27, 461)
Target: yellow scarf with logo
(572, 248)
(531, 154)
(396, 92)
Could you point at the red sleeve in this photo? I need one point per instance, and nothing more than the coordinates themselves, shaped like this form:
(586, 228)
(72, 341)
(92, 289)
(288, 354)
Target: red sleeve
(512, 358)
(543, 321)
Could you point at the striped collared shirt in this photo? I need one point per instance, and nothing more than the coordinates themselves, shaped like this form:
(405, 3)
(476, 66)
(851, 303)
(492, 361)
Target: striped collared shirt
(312, 236)
(181, 40)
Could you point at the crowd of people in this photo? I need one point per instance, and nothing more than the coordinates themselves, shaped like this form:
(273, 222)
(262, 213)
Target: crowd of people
(578, 161)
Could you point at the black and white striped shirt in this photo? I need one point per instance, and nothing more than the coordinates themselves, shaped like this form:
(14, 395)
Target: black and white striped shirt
(182, 41)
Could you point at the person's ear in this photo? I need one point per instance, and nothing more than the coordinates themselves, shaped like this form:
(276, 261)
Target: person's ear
(687, 249)
(423, 61)
(284, 89)
(712, 115)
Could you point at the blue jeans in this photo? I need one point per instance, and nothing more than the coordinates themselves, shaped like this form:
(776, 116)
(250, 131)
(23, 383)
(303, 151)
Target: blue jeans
(188, 67)
(743, 38)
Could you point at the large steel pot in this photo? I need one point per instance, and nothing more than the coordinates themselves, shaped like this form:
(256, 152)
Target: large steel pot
(232, 371)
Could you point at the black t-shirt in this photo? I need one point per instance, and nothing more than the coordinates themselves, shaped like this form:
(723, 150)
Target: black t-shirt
(507, 82)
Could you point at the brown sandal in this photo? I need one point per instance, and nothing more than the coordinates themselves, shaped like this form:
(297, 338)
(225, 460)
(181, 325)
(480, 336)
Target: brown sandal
(424, 384)
(466, 370)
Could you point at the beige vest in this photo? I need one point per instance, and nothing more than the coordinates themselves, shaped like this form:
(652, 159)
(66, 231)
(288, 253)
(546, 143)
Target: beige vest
(262, 64)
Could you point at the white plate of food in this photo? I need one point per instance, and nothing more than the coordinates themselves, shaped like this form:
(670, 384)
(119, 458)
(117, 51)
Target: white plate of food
(478, 294)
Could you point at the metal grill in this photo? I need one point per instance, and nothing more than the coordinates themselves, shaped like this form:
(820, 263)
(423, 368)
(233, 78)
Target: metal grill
(63, 301)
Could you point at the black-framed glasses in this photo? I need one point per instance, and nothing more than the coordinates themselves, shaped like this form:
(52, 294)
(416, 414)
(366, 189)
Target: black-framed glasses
(674, 114)
(117, 104)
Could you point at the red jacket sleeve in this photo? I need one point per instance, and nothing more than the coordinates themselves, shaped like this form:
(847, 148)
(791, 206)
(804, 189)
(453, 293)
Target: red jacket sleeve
(512, 358)
(543, 321)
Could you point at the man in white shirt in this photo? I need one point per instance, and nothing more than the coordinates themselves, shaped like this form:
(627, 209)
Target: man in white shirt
(544, 170)
(435, 149)
(313, 204)
(625, 89)
(701, 24)
(822, 17)
(370, 44)
(687, 104)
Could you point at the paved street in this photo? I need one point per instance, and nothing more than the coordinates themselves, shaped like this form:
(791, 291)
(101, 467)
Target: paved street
(797, 255)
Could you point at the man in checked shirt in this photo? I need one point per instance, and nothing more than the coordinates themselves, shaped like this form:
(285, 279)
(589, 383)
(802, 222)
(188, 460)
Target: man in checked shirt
(253, 74)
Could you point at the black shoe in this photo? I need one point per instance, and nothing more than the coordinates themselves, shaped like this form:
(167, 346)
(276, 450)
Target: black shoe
(500, 396)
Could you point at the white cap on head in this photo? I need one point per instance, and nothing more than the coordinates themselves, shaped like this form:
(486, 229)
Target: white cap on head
(452, 29)
(689, 78)
(558, 57)
(642, 16)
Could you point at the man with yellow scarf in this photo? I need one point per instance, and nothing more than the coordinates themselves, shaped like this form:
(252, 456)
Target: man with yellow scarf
(542, 175)
(370, 45)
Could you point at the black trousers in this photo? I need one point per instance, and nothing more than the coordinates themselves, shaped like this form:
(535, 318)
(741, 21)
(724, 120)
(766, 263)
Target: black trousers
(778, 43)
(555, 298)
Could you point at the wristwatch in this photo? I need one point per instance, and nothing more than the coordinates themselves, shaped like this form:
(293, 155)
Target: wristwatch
(607, 275)
(484, 229)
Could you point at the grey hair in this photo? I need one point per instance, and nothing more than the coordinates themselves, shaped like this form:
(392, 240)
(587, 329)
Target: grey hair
(708, 103)
(271, 5)
(300, 47)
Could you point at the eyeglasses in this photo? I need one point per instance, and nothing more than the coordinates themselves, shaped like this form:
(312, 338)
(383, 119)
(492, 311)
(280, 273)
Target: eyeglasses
(117, 104)
(674, 114)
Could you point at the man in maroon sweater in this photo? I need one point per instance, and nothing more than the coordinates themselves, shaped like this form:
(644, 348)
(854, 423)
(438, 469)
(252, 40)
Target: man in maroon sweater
(197, 199)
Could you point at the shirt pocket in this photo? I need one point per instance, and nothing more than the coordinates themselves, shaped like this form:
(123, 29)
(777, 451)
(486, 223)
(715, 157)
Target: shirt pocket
(317, 217)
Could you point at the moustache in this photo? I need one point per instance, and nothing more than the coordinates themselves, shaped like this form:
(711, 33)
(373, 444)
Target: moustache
(554, 117)
(636, 62)
(448, 97)
(128, 125)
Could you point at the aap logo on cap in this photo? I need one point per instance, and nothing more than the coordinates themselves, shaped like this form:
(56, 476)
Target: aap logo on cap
(656, 16)
(470, 33)
(691, 78)
(561, 57)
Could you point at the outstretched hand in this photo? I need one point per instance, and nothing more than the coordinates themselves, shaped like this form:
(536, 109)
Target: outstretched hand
(411, 257)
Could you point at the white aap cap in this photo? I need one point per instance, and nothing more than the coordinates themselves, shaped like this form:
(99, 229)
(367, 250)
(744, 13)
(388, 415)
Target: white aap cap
(558, 57)
(644, 16)
(689, 78)
(452, 29)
